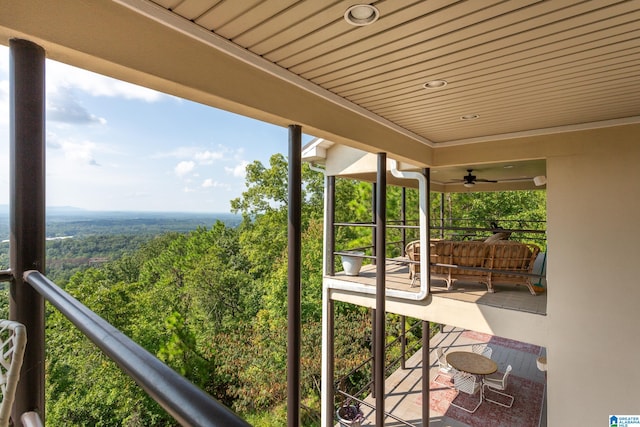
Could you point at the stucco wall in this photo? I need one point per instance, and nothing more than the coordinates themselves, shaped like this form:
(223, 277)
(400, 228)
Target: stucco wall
(593, 202)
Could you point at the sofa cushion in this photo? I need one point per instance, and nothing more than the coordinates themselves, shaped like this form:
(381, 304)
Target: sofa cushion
(497, 237)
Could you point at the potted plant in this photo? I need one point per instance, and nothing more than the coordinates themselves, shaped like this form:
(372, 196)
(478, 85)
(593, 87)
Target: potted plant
(352, 263)
(350, 415)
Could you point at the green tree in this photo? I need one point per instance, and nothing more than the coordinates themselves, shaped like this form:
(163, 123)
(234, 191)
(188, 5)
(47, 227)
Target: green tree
(212, 303)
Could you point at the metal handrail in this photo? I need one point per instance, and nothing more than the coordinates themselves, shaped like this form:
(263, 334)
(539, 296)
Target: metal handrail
(387, 369)
(387, 346)
(371, 224)
(364, 248)
(5, 275)
(510, 230)
(435, 227)
(185, 402)
(354, 255)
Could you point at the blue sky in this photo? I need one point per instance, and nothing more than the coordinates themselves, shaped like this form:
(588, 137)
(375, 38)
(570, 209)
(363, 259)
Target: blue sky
(116, 146)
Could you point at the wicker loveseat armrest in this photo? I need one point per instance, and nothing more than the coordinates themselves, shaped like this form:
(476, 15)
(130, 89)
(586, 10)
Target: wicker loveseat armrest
(509, 256)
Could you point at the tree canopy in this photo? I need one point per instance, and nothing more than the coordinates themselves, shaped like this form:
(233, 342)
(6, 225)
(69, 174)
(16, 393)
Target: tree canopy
(211, 303)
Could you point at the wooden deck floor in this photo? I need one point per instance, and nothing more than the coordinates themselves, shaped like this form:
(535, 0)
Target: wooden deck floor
(528, 384)
(505, 296)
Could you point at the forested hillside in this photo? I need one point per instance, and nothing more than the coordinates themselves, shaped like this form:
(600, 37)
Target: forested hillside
(211, 303)
(77, 239)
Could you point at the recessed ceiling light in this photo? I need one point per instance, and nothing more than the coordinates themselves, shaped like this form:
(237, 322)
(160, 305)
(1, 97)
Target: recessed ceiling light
(361, 14)
(508, 166)
(470, 117)
(435, 84)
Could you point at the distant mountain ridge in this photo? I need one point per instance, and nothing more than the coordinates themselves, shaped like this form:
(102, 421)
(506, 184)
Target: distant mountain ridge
(4, 210)
(76, 222)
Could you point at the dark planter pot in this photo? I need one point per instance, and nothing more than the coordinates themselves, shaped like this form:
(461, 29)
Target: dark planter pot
(350, 416)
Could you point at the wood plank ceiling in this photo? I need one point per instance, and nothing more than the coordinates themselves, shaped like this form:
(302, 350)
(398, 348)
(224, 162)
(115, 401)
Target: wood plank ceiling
(517, 65)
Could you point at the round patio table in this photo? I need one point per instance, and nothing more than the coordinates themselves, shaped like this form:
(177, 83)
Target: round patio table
(472, 363)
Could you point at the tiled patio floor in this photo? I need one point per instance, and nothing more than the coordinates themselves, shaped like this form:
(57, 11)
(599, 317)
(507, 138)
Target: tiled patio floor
(527, 384)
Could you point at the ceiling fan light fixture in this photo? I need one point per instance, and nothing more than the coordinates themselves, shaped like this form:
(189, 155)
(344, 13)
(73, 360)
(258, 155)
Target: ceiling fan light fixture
(469, 184)
(361, 14)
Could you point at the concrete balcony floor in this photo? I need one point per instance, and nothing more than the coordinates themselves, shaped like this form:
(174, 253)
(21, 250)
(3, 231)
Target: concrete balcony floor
(526, 383)
(512, 297)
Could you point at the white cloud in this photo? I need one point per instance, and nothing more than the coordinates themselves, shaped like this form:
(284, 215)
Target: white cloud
(239, 170)
(207, 157)
(192, 152)
(4, 102)
(178, 153)
(124, 150)
(82, 152)
(64, 107)
(184, 168)
(239, 153)
(210, 183)
(4, 59)
(60, 75)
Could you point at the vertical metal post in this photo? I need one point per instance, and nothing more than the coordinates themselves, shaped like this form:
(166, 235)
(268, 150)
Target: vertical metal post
(295, 258)
(426, 326)
(426, 332)
(442, 215)
(330, 379)
(380, 323)
(27, 214)
(403, 342)
(373, 352)
(374, 194)
(331, 229)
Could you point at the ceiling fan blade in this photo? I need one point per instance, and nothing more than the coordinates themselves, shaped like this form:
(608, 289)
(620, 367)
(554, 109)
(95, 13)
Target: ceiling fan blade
(485, 180)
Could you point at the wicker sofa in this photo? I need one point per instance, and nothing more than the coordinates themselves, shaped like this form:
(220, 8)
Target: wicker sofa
(487, 262)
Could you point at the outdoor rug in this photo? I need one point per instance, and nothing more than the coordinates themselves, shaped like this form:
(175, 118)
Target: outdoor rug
(504, 342)
(525, 411)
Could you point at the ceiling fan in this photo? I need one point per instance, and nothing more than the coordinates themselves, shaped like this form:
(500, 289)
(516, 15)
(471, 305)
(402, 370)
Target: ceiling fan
(470, 180)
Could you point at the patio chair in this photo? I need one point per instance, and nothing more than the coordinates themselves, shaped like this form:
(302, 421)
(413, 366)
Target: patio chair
(498, 385)
(444, 368)
(482, 349)
(413, 252)
(13, 336)
(469, 384)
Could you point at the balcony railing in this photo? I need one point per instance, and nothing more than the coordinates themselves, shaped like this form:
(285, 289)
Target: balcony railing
(389, 366)
(189, 405)
(522, 231)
